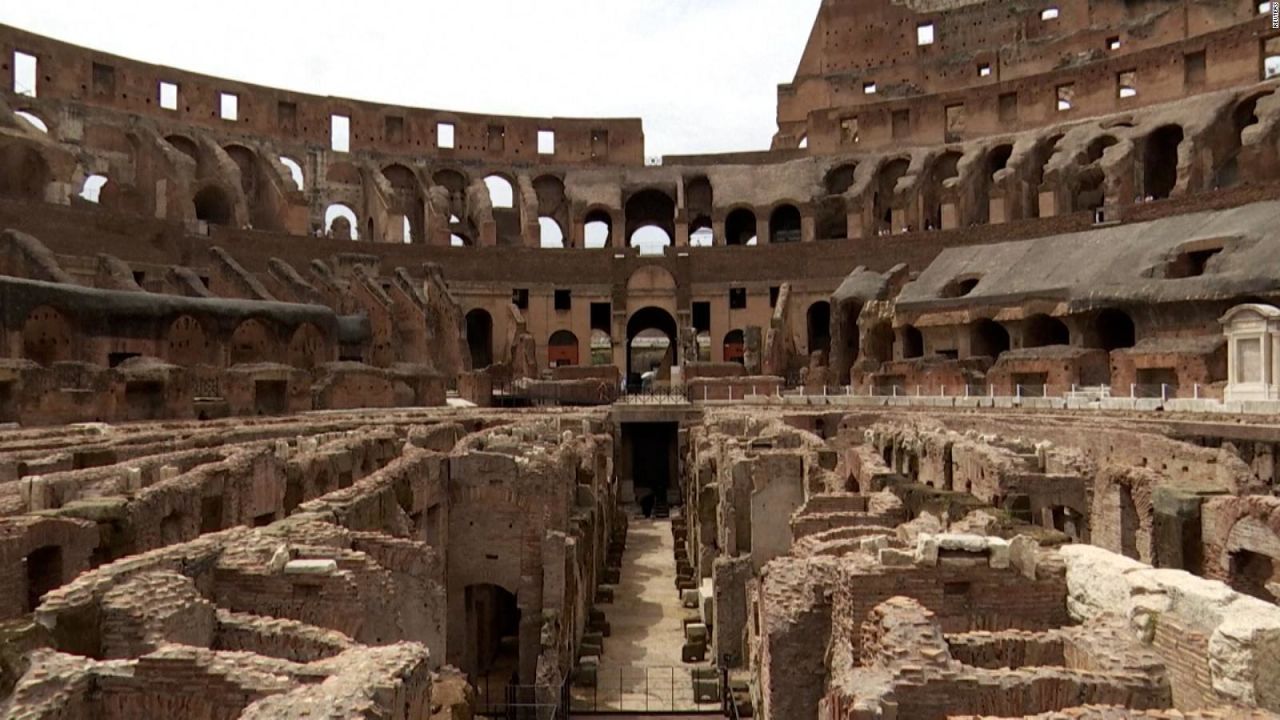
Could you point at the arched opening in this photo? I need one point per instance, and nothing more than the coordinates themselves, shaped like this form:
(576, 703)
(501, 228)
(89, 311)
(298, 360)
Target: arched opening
(988, 338)
(946, 167)
(601, 348)
(784, 224)
(1042, 331)
(341, 223)
(1253, 558)
(819, 327)
(735, 347)
(912, 342)
(23, 172)
(249, 343)
(1255, 574)
(92, 188)
(840, 178)
(184, 145)
(650, 240)
(657, 352)
(1044, 153)
(213, 206)
(306, 347)
(701, 234)
(551, 234)
(1114, 329)
(1097, 146)
(998, 159)
(650, 207)
(740, 227)
(1244, 115)
(500, 192)
(562, 349)
(886, 187)
(295, 171)
(493, 635)
(47, 337)
(1160, 161)
(188, 343)
(480, 338)
(699, 199)
(33, 120)
(597, 229)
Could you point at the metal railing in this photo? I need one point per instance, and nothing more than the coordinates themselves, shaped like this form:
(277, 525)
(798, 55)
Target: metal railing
(651, 689)
(654, 395)
(1019, 391)
(504, 701)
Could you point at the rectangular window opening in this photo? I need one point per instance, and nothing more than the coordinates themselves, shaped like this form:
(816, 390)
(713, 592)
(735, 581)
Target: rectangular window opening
(773, 295)
(924, 34)
(24, 73)
(1066, 96)
(546, 142)
(340, 133)
(900, 123)
(393, 129)
(287, 116)
(168, 95)
(1008, 107)
(520, 298)
(1127, 84)
(869, 88)
(444, 135)
(564, 300)
(1049, 13)
(497, 138)
(599, 143)
(104, 80)
(849, 132)
(228, 106)
(737, 298)
(1113, 43)
(984, 70)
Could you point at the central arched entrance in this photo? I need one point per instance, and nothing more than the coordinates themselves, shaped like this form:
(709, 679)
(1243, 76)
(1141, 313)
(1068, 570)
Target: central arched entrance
(651, 322)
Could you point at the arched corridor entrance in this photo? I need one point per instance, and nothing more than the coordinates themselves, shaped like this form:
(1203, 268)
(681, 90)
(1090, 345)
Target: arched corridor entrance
(649, 319)
(480, 338)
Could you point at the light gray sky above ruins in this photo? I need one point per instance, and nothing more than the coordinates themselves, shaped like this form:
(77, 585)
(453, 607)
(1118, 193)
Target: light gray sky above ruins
(701, 73)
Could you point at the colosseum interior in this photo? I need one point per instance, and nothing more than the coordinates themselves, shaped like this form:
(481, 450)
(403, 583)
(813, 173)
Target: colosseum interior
(960, 401)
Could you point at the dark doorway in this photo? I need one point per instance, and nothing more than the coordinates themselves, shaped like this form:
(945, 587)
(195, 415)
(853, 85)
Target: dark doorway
(819, 322)
(1115, 330)
(1160, 167)
(8, 405)
(270, 397)
(44, 573)
(144, 400)
(480, 338)
(651, 450)
(493, 643)
(1254, 574)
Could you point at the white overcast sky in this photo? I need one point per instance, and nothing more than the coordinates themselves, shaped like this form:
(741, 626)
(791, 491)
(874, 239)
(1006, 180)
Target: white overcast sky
(701, 73)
